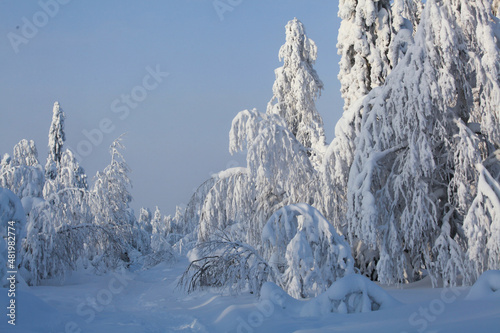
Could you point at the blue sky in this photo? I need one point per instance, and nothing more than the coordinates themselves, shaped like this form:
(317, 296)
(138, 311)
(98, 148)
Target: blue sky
(90, 55)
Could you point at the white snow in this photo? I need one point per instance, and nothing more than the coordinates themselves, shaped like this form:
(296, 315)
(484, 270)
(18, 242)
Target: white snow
(487, 286)
(149, 301)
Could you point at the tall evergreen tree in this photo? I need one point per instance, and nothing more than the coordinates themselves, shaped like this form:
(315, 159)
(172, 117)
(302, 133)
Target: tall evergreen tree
(56, 142)
(363, 42)
(296, 88)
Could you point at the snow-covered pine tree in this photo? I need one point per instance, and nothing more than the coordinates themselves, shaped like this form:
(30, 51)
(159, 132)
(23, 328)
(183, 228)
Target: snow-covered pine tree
(398, 183)
(363, 42)
(56, 142)
(296, 88)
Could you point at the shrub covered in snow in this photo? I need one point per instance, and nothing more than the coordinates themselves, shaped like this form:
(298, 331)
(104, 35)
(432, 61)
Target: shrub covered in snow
(299, 242)
(351, 294)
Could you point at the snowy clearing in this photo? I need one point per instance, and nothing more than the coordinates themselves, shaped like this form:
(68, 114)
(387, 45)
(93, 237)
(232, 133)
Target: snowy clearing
(149, 301)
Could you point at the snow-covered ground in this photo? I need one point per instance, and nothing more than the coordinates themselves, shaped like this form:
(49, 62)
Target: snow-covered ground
(149, 301)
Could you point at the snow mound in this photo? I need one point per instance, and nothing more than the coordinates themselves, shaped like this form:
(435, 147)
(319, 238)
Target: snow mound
(351, 294)
(487, 286)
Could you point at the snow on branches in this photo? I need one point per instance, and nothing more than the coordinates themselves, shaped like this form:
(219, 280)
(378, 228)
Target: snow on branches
(301, 243)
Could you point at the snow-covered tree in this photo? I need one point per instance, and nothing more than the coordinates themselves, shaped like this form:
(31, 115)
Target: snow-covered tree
(161, 250)
(279, 169)
(22, 173)
(142, 231)
(25, 153)
(227, 204)
(366, 43)
(158, 231)
(59, 233)
(480, 30)
(482, 226)
(56, 142)
(296, 88)
(60, 229)
(111, 198)
(363, 43)
(144, 220)
(398, 183)
(71, 176)
(194, 208)
(278, 172)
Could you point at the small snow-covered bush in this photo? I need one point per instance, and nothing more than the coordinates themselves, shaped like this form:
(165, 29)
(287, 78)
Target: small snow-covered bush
(225, 264)
(300, 243)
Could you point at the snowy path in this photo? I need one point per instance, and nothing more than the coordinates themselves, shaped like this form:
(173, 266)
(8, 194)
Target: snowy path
(148, 301)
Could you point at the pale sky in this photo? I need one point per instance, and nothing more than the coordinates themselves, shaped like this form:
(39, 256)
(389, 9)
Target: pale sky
(171, 74)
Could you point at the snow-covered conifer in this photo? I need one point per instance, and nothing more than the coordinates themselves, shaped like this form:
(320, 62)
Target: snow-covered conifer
(363, 44)
(56, 142)
(296, 88)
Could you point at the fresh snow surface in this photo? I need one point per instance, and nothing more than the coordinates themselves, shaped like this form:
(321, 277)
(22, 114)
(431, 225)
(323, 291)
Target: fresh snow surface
(148, 301)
